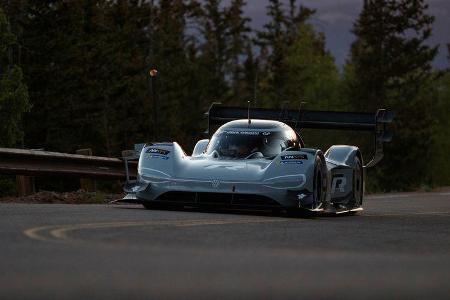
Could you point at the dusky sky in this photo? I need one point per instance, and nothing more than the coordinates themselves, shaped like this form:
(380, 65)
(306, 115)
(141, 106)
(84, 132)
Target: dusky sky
(336, 17)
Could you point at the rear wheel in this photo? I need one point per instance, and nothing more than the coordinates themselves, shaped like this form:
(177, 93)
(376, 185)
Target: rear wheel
(358, 183)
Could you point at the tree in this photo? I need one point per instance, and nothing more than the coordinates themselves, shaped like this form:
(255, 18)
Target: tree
(55, 71)
(440, 164)
(273, 46)
(182, 86)
(14, 100)
(86, 84)
(237, 47)
(389, 65)
(213, 51)
(312, 75)
(275, 39)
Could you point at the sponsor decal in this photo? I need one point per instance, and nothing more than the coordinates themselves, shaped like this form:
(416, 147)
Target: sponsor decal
(291, 162)
(294, 157)
(228, 167)
(163, 157)
(247, 132)
(157, 151)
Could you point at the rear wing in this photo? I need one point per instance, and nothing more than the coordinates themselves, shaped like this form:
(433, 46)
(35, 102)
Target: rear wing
(371, 122)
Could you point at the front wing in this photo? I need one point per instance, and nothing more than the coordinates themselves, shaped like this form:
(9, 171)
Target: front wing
(285, 194)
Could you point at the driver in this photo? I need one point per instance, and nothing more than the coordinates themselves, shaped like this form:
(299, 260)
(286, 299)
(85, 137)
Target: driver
(239, 150)
(245, 150)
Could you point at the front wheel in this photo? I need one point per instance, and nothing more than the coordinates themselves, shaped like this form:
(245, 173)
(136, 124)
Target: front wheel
(319, 194)
(319, 184)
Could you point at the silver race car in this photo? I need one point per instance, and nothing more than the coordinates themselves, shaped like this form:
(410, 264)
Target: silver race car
(261, 162)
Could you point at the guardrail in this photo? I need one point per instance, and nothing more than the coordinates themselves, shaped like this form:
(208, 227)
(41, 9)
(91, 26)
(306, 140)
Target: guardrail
(44, 163)
(29, 163)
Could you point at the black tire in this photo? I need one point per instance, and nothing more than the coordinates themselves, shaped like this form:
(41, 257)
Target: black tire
(319, 183)
(319, 192)
(358, 183)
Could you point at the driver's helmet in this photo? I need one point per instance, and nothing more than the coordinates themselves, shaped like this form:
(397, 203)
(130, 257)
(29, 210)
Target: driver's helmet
(242, 149)
(239, 149)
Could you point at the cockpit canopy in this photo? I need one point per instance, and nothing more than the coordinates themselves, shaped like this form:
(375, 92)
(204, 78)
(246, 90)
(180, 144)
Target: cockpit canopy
(260, 138)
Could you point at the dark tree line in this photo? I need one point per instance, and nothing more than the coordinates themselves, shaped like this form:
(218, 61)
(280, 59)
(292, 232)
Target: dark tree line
(77, 71)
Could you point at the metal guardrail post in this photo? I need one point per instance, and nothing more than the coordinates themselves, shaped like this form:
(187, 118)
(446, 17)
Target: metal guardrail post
(25, 185)
(128, 155)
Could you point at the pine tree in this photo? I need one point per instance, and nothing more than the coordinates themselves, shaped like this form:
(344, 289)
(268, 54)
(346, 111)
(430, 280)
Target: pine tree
(272, 40)
(85, 65)
(54, 70)
(440, 164)
(388, 67)
(275, 39)
(180, 84)
(390, 52)
(213, 51)
(14, 100)
(312, 75)
(237, 48)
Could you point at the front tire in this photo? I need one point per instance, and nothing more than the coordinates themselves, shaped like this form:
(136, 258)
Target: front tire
(319, 192)
(319, 184)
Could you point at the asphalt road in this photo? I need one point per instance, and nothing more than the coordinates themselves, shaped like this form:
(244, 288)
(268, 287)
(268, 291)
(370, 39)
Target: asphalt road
(398, 248)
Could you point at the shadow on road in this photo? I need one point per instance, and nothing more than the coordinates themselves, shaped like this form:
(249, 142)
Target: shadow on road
(223, 210)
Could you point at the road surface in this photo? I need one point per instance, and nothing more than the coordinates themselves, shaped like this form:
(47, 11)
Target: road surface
(398, 248)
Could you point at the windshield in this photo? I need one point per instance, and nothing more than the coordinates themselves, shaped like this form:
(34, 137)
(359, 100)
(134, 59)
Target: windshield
(238, 144)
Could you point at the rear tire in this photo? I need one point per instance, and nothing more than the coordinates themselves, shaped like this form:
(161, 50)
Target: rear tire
(358, 183)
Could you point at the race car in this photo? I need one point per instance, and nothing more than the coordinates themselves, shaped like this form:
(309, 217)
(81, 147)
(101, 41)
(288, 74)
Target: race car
(257, 159)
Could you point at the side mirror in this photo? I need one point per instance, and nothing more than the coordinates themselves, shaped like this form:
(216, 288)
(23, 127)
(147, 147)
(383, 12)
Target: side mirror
(200, 147)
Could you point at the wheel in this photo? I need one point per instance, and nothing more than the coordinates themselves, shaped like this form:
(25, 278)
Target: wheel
(319, 192)
(319, 184)
(358, 183)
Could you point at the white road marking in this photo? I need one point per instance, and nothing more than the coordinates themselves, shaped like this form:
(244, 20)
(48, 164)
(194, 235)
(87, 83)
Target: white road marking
(406, 214)
(33, 232)
(407, 195)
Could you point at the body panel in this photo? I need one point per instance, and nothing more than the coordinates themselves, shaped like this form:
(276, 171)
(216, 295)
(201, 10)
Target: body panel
(163, 168)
